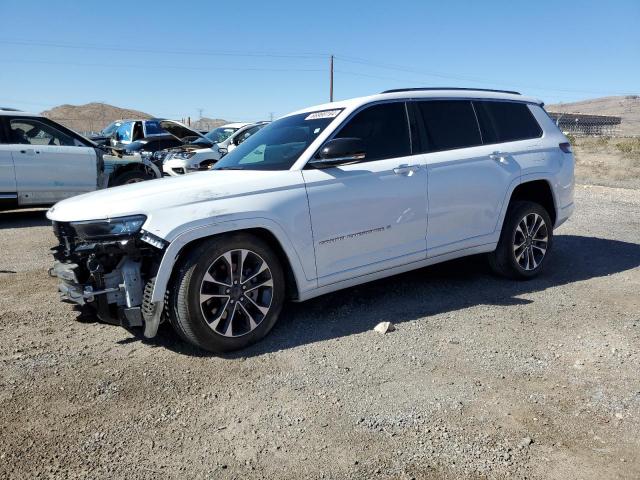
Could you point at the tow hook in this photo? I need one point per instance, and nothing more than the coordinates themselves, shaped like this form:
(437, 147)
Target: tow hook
(89, 293)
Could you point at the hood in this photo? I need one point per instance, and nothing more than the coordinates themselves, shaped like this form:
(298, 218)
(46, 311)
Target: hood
(190, 147)
(179, 130)
(163, 194)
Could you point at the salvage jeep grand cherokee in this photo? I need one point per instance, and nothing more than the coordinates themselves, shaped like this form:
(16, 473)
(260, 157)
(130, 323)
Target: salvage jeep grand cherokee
(321, 199)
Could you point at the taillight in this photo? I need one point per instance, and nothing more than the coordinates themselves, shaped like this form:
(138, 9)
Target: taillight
(565, 147)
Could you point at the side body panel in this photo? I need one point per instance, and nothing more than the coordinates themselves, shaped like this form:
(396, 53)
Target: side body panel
(366, 216)
(8, 188)
(46, 174)
(466, 192)
(556, 167)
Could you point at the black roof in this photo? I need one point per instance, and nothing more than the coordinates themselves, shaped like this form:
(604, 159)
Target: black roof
(418, 89)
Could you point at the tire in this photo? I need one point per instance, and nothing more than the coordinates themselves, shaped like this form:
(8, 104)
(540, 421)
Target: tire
(528, 260)
(209, 310)
(129, 177)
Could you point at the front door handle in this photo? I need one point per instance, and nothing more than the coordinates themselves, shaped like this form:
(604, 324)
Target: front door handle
(405, 169)
(28, 151)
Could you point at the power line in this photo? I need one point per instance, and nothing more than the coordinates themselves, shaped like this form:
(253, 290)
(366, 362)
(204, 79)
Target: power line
(164, 67)
(282, 55)
(486, 81)
(115, 48)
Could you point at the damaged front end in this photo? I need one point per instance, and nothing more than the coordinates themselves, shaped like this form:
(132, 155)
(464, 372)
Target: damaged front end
(109, 266)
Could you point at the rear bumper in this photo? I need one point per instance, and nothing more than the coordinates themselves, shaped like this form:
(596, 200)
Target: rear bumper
(563, 214)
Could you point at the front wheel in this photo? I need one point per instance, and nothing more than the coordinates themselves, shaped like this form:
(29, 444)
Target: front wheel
(525, 241)
(129, 177)
(227, 293)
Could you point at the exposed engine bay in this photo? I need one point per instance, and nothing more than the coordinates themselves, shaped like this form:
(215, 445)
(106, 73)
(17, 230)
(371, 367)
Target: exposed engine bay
(111, 275)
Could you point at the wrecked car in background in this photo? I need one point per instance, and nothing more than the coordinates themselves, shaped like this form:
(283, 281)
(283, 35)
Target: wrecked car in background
(42, 162)
(103, 137)
(198, 156)
(145, 137)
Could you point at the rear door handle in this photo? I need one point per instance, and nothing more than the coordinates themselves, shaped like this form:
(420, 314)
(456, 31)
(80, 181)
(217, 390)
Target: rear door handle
(499, 157)
(405, 169)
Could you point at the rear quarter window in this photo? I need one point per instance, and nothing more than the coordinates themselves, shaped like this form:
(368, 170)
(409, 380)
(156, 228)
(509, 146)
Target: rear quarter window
(506, 121)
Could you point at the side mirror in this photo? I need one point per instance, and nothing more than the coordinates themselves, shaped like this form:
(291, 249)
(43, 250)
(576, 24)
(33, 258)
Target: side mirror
(339, 151)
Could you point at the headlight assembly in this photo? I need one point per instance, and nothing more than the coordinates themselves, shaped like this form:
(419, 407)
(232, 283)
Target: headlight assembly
(184, 155)
(112, 228)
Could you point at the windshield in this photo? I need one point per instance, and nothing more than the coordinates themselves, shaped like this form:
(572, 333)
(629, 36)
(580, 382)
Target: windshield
(278, 145)
(109, 129)
(220, 134)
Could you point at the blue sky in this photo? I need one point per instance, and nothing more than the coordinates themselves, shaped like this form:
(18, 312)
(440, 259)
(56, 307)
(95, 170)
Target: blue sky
(245, 60)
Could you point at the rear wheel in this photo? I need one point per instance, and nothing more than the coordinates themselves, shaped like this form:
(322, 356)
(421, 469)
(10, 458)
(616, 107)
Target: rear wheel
(227, 293)
(525, 241)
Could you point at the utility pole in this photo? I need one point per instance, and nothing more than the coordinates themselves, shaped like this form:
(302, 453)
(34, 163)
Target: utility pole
(331, 79)
(200, 110)
(271, 116)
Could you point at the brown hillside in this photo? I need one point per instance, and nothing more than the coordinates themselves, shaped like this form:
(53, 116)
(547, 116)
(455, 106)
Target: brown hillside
(91, 117)
(206, 123)
(627, 107)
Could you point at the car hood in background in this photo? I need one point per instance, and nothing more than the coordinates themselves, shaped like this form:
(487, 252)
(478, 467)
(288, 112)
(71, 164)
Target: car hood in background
(179, 130)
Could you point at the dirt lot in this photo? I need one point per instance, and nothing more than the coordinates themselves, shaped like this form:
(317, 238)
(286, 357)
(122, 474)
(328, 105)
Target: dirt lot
(608, 161)
(484, 377)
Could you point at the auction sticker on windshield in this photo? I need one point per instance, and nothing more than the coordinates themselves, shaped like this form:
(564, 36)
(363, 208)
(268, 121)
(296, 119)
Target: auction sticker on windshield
(324, 114)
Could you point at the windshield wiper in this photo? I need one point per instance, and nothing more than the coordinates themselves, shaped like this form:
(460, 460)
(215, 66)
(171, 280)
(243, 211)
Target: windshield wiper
(229, 168)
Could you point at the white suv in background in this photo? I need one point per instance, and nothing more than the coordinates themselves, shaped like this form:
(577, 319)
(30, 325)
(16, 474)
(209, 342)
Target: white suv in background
(322, 199)
(43, 162)
(193, 158)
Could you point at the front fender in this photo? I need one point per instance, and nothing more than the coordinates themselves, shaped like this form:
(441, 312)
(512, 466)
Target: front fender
(172, 252)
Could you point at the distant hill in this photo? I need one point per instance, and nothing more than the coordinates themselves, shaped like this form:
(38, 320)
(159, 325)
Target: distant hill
(206, 123)
(94, 116)
(91, 117)
(627, 107)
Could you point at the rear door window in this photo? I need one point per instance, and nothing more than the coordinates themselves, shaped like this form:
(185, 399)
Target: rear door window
(506, 121)
(447, 124)
(383, 128)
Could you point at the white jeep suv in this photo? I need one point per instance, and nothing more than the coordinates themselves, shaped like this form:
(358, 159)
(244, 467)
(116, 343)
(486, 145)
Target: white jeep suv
(322, 199)
(42, 162)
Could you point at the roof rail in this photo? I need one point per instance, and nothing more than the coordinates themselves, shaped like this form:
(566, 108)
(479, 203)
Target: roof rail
(9, 109)
(397, 90)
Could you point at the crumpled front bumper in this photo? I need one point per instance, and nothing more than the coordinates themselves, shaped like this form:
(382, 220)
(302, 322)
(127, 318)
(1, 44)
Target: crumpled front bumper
(123, 287)
(70, 288)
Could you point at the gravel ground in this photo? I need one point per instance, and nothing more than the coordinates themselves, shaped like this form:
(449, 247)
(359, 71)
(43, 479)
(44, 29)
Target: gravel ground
(483, 377)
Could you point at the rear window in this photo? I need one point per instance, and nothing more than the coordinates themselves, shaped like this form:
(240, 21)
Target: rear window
(153, 127)
(506, 121)
(448, 124)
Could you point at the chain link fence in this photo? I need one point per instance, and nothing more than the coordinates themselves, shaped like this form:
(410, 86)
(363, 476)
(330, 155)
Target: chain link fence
(578, 124)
